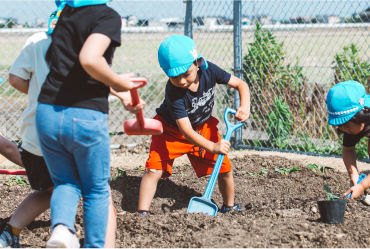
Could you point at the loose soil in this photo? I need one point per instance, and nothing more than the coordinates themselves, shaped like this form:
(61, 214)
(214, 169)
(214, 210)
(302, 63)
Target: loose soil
(278, 210)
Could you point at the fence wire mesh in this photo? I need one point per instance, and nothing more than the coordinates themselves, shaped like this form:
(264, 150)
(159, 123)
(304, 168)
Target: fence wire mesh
(292, 52)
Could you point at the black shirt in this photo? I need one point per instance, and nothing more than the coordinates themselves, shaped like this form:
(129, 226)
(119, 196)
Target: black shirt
(351, 140)
(68, 84)
(197, 106)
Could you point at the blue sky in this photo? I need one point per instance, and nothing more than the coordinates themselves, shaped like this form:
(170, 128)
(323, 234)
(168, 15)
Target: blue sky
(30, 10)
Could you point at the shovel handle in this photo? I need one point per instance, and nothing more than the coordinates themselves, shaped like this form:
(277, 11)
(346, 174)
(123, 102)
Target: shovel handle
(216, 169)
(13, 171)
(135, 98)
(360, 178)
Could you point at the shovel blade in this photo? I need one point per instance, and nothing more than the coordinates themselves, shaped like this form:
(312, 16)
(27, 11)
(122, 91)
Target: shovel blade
(202, 205)
(150, 127)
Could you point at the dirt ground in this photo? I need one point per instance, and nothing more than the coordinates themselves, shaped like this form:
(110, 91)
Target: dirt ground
(279, 210)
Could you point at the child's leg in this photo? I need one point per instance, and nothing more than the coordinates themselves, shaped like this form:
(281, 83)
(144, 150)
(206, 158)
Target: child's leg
(110, 237)
(10, 151)
(148, 187)
(90, 145)
(51, 123)
(226, 187)
(31, 207)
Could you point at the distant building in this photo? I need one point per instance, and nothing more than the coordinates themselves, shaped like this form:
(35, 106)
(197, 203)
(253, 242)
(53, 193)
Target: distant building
(264, 19)
(210, 22)
(132, 21)
(246, 21)
(41, 23)
(365, 15)
(124, 21)
(173, 22)
(301, 19)
(334, 19)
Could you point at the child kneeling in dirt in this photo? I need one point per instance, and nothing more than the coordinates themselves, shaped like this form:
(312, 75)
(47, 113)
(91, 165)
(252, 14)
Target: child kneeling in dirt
(349, 109)
(188, 127)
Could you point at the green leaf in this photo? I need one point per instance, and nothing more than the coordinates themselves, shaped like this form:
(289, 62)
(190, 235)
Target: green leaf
(329, 195)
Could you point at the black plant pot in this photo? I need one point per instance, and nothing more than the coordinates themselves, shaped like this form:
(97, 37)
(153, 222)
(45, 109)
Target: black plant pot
(332, 211)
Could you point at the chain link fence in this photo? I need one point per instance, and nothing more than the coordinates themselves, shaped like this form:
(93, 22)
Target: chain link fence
(288, 51)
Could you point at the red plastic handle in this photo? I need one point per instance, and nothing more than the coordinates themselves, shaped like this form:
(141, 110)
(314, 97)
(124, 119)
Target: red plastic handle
(139, 79)
(135, 98)
(13, 171)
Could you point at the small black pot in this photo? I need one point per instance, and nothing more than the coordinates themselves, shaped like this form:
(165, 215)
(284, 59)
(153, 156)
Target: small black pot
(332, 211)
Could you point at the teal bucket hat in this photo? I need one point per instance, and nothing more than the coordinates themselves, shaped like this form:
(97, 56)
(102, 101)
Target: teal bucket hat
(54, 17)
(80, 3)
(176, 54)
(344, 100)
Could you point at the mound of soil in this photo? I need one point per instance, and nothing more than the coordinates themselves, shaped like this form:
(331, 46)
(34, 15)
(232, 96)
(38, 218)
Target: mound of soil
(279, 210)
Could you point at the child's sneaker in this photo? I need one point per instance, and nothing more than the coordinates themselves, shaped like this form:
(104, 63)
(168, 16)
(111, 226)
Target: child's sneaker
(62, 237)
(366, 200)
(8, 239)
(143, 212)
(225, 209)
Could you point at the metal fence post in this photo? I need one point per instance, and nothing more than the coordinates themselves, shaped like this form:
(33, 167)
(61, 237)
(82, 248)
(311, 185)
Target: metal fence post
(189, 18)
(237, 58)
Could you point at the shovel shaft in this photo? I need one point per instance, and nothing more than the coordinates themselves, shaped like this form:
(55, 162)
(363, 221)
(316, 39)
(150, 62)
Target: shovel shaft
(135, 99)
(135, 102)
(220, 158)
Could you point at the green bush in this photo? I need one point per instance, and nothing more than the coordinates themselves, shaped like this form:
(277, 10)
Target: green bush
(272, 82)
(348, 66)
(291, 111)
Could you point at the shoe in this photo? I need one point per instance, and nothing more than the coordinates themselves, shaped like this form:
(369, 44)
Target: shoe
(7, 239)
(143, 212)
(366, 200)
(62, 237)
(225, 209)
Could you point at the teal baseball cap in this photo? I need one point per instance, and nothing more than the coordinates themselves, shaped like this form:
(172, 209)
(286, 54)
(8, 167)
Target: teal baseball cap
(344, 100)
(176, 54)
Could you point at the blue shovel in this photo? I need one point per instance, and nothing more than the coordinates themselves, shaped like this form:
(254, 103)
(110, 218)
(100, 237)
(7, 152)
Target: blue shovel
(360, 178)
(204, 204)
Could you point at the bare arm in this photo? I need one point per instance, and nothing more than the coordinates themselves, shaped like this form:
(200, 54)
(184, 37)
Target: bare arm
(349, 159)
(186, 129)
(93, 62)
(10, 151)
(243, 112)
(19, 83)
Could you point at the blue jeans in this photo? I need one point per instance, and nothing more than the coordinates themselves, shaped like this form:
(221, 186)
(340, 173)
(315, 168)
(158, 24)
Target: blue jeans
(75, 145)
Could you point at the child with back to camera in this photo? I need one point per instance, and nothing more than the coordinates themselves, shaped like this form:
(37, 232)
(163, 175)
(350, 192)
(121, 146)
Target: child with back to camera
(349, 109)
(188, 125)
(71, 118)
(27, 75)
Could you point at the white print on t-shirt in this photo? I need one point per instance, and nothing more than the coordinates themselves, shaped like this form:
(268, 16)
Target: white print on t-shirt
(198, 102)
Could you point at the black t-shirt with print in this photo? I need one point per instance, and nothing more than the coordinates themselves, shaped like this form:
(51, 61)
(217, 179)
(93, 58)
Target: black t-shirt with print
(68, 84)
(351, 140)
(197, 106)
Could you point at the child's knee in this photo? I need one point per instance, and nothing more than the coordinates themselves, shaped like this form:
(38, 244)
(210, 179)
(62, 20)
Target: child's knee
(154, 173)
(226, 175)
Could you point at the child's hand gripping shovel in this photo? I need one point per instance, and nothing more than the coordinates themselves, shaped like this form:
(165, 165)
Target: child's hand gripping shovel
(204, 204)
(141, 125)
(360, 178)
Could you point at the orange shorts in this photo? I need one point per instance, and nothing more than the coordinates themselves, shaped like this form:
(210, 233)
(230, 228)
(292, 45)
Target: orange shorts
(172, 144)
